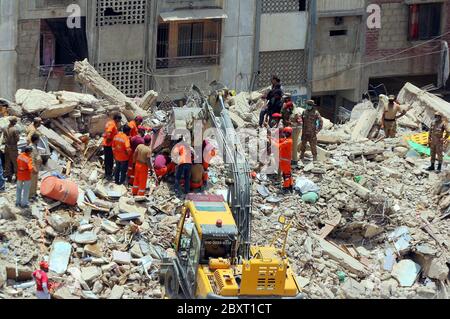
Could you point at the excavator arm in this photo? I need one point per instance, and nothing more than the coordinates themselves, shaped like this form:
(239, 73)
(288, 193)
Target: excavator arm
(238, 169)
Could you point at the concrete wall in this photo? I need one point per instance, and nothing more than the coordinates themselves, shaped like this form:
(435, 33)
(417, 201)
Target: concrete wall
(8, 42)
(389, 53)
(238, 43)
(324, 6)
(283, 31)
(335, 57)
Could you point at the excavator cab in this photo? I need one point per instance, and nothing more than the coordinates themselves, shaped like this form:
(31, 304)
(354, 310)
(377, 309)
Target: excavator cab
(206, 264)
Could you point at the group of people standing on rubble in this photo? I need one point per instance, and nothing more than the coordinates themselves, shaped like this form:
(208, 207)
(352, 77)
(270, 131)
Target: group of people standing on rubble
(130, 159)
(280, 115)
(285, 122)
(21, 167)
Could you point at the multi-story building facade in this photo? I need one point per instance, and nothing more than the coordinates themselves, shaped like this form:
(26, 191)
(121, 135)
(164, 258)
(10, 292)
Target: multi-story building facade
(165, 45)
(409, 44)
(337, 47)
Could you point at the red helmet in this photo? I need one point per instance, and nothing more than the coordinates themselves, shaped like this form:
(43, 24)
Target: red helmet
(288, 130)
(139, 119)
(277, 116)
(43, 265)
(147, 139)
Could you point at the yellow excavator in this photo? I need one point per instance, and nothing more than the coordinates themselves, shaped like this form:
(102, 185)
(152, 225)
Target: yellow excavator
(213, 257)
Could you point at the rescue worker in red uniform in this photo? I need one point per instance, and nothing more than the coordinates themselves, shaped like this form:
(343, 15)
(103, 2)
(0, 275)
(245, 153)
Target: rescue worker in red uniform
(134, 126)
(122, 152)
(135, 141)
(42, 284)
(111, 130)
(142, 160)
(209, 152)
(438, 141)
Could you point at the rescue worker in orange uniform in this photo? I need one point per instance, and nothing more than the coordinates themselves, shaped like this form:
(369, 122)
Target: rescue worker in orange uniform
(122, 151)
(209, 152)
(142, 160)
(182, 154)
(111, 130)
(24, 171)
(134, 125)
(135, 141)
(163, 165)
(285, 153)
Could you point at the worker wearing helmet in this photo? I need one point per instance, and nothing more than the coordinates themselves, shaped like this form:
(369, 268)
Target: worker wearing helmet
(111, 130)
(437, 141)
(41, 278)
(390, 117)
(134, 125)
(275, 121)
(135, 141)
(312, 124)
(287, 110)
(284, 146)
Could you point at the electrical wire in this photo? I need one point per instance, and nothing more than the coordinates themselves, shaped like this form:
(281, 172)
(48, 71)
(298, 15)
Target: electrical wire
(373, 62)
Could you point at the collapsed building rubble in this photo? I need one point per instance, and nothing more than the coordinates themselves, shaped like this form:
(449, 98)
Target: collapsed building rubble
(378, 227)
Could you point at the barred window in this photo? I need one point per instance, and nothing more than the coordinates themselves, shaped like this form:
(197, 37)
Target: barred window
(279, 6)
(111, 12)
(126, 76)
(290, 67)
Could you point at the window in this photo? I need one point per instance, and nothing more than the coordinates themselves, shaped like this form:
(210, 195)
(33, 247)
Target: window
(424, 21)
(279, 6)
(182, 44)
(61, 47)
(335, 33)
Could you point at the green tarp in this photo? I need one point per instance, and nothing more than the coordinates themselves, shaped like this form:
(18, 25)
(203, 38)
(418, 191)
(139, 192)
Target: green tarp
(421, 149)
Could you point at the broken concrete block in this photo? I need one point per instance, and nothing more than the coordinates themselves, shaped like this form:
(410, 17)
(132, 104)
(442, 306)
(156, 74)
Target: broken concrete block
(59, 256)
(406, 272)
(93, 250)
(84, 238)
(74, 97)
(97, 124)
(345, 260)
(35, 101)
(57, 110)
(117, 292)
(87, 75)
(109, 227)
(121, 258)
(438, 269)
(89, 274)
(149, 100)
(353, 289)
(136, 251)
(64, 293)
(60, 222)
(57, 140)
(372, 231)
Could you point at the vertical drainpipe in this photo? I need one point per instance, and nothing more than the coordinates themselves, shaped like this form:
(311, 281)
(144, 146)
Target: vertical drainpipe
(147, 55)
(311, 37)
(256, 44)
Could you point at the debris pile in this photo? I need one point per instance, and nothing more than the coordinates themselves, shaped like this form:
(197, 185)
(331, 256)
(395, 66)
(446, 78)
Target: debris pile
(368, 220)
